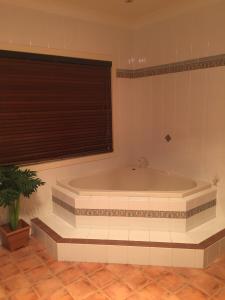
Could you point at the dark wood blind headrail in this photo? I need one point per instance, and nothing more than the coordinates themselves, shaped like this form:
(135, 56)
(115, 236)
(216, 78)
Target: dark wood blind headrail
(53, 107)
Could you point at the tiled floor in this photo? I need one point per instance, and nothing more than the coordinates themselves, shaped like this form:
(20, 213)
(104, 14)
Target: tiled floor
(30, 273)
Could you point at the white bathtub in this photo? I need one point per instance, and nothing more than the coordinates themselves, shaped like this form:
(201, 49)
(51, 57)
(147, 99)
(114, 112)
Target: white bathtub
(135, 198)
(134, 182)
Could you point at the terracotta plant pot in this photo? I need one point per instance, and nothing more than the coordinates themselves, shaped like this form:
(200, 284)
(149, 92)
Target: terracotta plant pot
(16, 239)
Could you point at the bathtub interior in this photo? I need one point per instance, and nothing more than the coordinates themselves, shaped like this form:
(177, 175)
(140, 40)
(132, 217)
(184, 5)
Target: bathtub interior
(133, 179)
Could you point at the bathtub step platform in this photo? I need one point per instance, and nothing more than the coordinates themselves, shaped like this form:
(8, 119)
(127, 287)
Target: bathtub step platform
(195, 248)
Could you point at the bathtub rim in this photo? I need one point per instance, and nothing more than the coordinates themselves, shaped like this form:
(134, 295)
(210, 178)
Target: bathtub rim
(200, 186)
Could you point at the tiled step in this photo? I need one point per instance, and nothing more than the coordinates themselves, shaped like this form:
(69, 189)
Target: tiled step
(196, 248)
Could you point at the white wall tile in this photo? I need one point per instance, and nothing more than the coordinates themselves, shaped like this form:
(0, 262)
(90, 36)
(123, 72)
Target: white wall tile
(177, 204)
(117, 254)
(92, 221)
(201, 218)
(159, 224)
(160, 256)
(177, 225)
(64, 195)
(99, 202)
(184, 258)
(51, 247)
(139, 223)
(71, 252)
(83, 202)
(95, 253)
(139, 203)
(119, 222)
(160, 236)
(181, 237)
(64, 214)
(199, 254)
(118, 202)
(211, 253)
(138, 255)
(159, 203)
(98, 233)
(118, 234)
(139, 235)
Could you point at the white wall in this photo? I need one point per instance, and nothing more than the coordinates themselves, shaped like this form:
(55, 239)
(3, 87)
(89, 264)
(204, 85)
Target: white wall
(190, 106)
(26, 29)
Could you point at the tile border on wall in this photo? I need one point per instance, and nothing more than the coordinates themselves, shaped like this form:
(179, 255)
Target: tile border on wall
(135, 213)
(182, 66)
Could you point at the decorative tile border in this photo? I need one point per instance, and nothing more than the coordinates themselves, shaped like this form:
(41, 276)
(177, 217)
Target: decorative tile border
(182, 66)
(59, 239)
(134, 213)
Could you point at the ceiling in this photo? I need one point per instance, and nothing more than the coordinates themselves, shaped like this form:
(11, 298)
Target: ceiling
(114, 11)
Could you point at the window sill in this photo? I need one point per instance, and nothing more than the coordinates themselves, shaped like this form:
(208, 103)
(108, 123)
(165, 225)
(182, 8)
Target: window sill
(68, 162)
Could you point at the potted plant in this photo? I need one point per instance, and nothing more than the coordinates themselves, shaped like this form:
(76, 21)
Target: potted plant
(14, 183)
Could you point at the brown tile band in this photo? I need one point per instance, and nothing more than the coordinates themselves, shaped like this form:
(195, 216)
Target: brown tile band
(58, 239)
(134, 213)
(182, 66)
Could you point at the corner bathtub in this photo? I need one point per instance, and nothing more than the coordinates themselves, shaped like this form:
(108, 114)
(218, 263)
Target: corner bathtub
(135, 197)
(134, 182)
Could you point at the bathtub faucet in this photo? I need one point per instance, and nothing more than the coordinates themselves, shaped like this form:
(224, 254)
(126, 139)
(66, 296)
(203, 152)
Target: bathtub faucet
(142, 162)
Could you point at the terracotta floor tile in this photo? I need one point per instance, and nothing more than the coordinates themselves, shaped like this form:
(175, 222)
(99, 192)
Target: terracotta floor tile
(136, 297)
(206, 283)
(59, 295)
(3, 292)
(152, 292)
(146, 295)
(24, 294)
(8, 270)
(81, 289)
(38, 273)
(118, 290)
(90, 268)
(69, 275)
(220, 295)
(21, 253)
(5, 259)
(155, 272)
(189, 272)
(48, 286)
(97, 296)
(16, 282)
(44, 255)
(29, 263)
(191, 293)
(102, 278)
(120, 270)
(169, 296)
(36, 245)
(58, 266)
(217, 271)
(136, 279)
(172, 281)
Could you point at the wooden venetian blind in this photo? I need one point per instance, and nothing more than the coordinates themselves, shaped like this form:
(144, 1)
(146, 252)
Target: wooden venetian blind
(53, 107)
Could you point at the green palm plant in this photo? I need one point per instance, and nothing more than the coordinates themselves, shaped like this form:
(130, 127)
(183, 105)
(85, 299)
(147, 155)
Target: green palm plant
(15, 182)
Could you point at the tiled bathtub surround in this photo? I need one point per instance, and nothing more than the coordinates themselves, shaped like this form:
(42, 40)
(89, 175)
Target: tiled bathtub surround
(182, 66)
(165, 214)
(135, 213)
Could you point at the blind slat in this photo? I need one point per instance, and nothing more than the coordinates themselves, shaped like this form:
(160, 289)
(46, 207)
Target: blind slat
(53, 107)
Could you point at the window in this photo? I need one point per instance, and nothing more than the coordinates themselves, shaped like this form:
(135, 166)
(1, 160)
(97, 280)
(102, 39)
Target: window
(53, 107)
